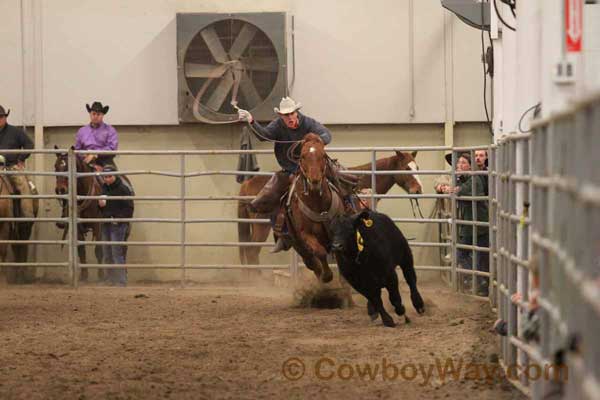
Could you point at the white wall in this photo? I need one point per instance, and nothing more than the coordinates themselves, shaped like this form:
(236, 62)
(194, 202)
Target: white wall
(11, 67)
(591, 45)
(468, 73)
(352, 59)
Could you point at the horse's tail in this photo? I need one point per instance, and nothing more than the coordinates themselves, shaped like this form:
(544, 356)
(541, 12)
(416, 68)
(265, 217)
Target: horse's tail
(244, 228)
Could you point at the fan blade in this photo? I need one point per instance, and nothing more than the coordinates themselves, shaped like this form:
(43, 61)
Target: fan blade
(204, 70)
(214, 44)
(269, 64)
(249, 91)
(216, 99)
(242, 41)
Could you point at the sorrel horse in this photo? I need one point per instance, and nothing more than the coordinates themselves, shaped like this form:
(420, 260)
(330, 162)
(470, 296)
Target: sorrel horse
(312, 204)
(257, 232)
(86, 186)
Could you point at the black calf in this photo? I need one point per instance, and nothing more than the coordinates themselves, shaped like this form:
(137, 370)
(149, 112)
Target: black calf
(368, 246)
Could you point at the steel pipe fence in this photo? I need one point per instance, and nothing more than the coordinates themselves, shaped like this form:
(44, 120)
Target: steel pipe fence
(10, 241)
(545, 238)
(183, 198)
(180, 173)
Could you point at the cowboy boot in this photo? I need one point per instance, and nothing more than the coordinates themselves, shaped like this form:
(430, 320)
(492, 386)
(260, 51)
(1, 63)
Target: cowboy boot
(268, 198)
(283, 239)
(282, 244)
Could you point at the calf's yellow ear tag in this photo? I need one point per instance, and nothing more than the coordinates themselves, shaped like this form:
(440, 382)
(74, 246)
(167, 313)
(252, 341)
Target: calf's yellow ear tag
(359, 241)
(368, 222)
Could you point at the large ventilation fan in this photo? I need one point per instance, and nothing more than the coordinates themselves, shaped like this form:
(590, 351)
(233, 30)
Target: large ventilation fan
(227, 61)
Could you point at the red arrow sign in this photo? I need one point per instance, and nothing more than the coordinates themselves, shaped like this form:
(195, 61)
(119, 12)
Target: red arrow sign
(574, 25)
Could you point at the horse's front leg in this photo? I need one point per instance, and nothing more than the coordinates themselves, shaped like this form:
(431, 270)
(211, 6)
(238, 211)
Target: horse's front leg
(327, 274)
(319, 255)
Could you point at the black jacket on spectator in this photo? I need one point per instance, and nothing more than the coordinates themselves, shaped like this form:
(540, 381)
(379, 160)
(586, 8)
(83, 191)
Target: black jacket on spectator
(117, 208)
(13, 138)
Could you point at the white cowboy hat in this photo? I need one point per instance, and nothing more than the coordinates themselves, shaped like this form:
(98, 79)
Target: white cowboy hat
(287, 105)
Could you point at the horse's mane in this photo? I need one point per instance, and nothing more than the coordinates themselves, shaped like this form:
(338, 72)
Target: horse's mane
(81, 166)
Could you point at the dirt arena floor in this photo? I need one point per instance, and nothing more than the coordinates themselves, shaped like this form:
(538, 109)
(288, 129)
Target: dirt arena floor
(239, 342)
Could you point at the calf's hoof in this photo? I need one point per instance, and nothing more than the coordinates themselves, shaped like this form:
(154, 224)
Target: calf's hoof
(418, 303)
(373, 314)
(389, 322)
(400, 310)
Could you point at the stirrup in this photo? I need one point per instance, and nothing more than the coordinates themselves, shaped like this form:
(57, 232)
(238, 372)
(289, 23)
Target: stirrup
(281, 245)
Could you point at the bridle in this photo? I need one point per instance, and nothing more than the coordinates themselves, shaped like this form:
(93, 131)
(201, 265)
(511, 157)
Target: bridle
(414, 203)
(82, 205)
(412, 206)
(305, 182)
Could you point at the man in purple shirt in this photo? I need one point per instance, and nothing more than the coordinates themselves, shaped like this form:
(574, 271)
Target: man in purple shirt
(97, 135)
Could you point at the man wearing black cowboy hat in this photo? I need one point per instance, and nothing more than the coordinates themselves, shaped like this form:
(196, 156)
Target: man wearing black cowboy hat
(13, 138)
(97, 135)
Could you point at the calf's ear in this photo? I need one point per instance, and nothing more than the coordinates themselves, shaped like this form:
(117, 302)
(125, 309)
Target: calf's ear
(356, 218)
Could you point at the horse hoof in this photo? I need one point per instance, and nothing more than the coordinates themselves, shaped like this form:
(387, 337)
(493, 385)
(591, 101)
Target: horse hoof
(373, 316)
(406, 320)
(326, 277)
(421, 310)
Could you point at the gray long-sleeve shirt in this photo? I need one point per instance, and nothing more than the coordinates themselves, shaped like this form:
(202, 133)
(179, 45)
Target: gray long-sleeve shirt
(277, 130)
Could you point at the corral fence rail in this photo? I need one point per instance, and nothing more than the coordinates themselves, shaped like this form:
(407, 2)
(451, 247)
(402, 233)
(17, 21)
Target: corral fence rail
(182, 243)
(545, 242)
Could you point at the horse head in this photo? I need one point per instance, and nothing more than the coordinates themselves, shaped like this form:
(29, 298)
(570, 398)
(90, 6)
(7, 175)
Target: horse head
(61, 165)
(62, 183)
(313, 161)
(406, 162)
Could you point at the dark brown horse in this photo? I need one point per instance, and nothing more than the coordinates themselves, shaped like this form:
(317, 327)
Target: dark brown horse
(257, 232)
(86, 186)
(312, 205)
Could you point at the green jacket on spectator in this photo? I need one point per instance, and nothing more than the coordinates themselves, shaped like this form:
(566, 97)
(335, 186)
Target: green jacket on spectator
(465, 207)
